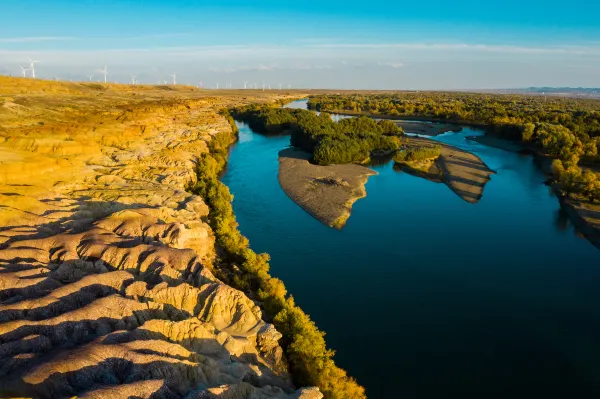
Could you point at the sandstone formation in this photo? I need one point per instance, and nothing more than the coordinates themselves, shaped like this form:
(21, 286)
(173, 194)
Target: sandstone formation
(106, 261)
(325, 192)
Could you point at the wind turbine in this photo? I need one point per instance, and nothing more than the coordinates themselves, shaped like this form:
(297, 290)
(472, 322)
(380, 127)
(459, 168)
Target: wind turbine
(23, 71)
(289, 87)
(132, 79)
(105, 72)
(245, 84)
(217, 86)
(32, 67)
(263, 86)
(200, 85)
(174, 76)
(90, 77)
(279, 86)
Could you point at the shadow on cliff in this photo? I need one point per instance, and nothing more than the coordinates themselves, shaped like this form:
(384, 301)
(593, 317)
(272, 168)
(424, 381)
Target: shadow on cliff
(81, 215)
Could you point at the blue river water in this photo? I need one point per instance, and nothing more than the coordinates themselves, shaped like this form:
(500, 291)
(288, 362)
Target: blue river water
(423, 295)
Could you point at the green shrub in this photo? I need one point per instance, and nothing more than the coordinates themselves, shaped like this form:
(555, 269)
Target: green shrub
(418, 154)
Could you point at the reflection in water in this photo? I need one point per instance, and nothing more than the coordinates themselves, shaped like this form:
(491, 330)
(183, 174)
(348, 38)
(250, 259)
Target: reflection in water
(423, 295)
(561, 219)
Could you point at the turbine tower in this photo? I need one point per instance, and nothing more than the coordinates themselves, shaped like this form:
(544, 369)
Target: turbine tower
(174, 76)
(105, 72)
(245, 84)
(200, 85)
(90, 77)
(23, 71)
(32, 67)
(132, 79)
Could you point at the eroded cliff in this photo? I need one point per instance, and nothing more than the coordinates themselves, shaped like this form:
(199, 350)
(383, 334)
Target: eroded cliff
(106, 280)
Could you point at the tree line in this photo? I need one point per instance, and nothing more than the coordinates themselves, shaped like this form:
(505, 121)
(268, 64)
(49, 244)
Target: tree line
(352, 140)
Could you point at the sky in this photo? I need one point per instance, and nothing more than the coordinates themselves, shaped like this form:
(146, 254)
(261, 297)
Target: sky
(430, 44)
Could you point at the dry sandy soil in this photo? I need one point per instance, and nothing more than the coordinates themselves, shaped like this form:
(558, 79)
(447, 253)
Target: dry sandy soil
(106, 261)
(325, 192)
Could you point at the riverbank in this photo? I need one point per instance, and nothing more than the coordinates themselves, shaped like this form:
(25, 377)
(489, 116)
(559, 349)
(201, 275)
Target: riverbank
(584, 214)
(325, 192)
(585, 217)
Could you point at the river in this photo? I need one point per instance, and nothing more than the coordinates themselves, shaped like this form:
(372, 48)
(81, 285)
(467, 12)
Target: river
(423, 295)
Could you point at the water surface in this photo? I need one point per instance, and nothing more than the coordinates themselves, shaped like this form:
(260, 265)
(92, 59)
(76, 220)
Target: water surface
(424, 295)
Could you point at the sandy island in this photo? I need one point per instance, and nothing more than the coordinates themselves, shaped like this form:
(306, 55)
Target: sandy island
(464, 173)
(325, 192)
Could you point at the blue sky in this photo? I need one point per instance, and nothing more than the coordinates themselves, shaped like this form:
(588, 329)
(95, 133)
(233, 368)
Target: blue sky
(337, 44)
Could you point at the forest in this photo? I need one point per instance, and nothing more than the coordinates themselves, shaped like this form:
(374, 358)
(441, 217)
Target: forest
(352, 140)
(567, 129)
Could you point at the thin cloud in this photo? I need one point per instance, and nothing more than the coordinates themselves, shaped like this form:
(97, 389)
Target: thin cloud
(513, 49)
(244, 68)
(391, 64)
(34, 39)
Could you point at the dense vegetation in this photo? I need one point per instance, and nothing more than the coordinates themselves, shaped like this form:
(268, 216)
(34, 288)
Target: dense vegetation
(554, 123)
(311, 363)
(572, 179)
(352, 140)
(565, 128)
(418, 154)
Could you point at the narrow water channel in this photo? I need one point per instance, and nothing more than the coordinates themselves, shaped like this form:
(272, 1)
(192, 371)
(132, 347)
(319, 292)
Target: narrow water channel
(423, 295)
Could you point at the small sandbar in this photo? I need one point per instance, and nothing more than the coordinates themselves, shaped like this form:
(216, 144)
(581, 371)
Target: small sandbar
(427, 128)
(464, 173)
(325, 192)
